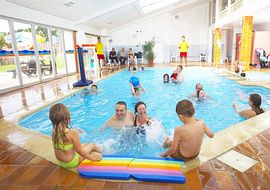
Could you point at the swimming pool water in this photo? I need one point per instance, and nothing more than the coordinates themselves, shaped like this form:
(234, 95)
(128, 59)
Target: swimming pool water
(89, 112)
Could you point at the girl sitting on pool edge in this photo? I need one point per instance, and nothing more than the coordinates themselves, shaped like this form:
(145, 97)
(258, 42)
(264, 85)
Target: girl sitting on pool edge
(66, 141)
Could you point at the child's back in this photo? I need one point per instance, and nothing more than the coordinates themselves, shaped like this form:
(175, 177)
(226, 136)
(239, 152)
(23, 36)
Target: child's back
(190, 138)
(66, 142)
(187, 139)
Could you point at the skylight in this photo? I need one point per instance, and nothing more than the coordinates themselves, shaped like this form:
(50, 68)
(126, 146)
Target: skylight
(152, 5)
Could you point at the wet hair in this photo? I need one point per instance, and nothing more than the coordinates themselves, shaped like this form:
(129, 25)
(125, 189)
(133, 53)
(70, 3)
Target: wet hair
(136, 110)
(185, 108)
(197, 85)
(137, 105)
(94, 86)
(60, 118)
(98, 38)
(164, 78)
(122, 103)
(257, 101)
(198, 93)
(134, 68)
(180, 67)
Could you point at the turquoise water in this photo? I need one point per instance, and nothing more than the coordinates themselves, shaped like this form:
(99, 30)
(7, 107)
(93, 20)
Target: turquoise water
(89, 112)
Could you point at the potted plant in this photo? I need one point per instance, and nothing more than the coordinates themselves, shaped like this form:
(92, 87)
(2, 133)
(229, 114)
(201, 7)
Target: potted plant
(148, 52)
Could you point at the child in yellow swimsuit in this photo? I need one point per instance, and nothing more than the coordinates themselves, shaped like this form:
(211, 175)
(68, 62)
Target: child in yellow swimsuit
(66, 141)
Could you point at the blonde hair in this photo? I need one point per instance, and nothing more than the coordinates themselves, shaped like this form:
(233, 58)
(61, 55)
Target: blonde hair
(60, 118)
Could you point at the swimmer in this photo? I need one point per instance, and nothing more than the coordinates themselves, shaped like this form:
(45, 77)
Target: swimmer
(122, 117)
(201, 95)
(255, 101)
(166, 78)
(177, 76)
(136, 86)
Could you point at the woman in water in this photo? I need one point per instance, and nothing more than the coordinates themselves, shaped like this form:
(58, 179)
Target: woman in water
(255, 102)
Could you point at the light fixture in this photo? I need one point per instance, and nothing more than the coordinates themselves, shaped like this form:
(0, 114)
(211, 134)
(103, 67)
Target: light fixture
(69, 3)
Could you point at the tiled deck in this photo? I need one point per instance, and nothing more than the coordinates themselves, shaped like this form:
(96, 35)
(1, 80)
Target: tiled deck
(21, 169)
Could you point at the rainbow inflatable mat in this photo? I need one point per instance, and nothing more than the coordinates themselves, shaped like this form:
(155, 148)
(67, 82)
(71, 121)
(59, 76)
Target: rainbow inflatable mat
(151, 169)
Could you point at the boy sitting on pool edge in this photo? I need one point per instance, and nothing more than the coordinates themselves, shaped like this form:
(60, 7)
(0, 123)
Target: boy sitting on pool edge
(187, 139)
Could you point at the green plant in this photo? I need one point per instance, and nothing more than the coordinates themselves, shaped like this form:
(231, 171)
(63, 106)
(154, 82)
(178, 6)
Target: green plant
(148, 50)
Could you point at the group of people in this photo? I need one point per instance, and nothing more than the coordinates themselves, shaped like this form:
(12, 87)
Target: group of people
(123, 56)
(239, 68)
(176, 77)
(185, 144)
(113, 57)
(186, 141)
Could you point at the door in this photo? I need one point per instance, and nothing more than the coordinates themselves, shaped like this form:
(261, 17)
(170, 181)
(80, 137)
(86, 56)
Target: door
(159, 50)
(237, 47)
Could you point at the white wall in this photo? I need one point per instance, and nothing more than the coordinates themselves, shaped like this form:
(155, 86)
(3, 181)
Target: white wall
(193, 23)
(261, 40)
(19, 12)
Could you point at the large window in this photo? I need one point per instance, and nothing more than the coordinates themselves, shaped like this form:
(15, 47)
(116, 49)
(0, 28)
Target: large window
(27, 62)
(8, 73)
(69, 46)
(38, 52)
(44, 51)
(58, 51)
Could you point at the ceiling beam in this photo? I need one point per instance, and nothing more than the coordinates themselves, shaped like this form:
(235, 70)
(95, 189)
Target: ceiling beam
(105, 11)
(139, 9)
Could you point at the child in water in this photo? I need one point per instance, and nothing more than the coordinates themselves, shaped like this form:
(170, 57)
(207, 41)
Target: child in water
(66, 141)
(201, 94)
(135, 85)
(166, 78)
(178, 76)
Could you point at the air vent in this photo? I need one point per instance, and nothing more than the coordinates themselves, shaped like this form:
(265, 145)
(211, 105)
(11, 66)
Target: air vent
(69, 3)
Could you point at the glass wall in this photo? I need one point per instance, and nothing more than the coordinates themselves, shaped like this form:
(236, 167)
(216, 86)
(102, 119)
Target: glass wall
(52, 45)
(69, 46)
(90, 39)
(58, 52)
(44, 52)
(8, 73)
(27, 62)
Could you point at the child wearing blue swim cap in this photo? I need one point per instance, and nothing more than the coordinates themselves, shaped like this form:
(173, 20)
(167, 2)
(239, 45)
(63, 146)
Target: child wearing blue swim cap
(135, 86)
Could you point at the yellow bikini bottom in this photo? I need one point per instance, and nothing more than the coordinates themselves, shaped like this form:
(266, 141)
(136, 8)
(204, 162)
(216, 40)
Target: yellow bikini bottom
(71, 164)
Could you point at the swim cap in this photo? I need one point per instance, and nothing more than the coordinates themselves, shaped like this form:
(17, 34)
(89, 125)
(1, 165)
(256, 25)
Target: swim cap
(134, 81)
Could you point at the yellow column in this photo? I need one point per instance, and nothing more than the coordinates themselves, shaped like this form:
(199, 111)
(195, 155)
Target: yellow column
(217, 45)
(246, 41)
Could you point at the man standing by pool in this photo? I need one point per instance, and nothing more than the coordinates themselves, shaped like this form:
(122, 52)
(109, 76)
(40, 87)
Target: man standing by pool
(183, 46)
(99, 51)
(122, 117)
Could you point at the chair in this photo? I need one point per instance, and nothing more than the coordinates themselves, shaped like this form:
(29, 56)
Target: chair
(138, 57)
(263, 59)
